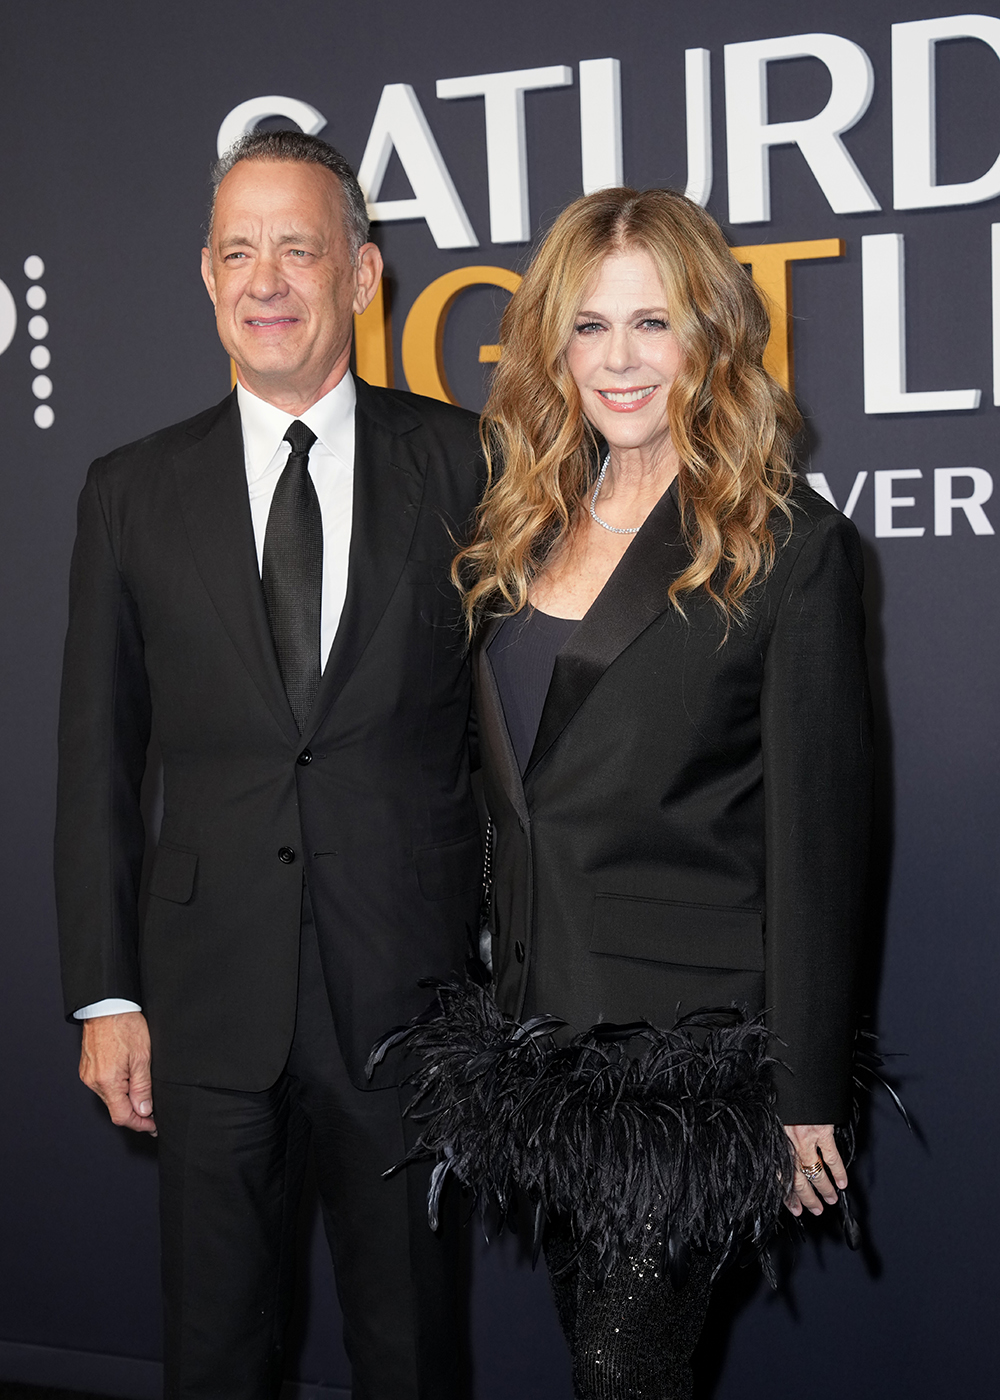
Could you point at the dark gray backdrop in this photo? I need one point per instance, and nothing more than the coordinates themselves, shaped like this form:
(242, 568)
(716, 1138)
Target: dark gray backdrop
(110, 115)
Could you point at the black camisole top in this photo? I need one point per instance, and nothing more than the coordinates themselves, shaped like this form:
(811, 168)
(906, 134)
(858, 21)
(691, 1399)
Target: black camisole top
(523, 655)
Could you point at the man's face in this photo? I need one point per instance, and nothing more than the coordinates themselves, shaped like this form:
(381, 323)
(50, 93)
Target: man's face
(280, 275)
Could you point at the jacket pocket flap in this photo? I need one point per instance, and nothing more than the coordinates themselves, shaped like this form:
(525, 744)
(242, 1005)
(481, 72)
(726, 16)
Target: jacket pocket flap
(696, 935)
(449, 868)
(173, 874)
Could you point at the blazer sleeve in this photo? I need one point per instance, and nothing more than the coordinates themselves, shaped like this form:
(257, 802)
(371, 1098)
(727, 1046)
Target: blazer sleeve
(104, 727)
(817, 766)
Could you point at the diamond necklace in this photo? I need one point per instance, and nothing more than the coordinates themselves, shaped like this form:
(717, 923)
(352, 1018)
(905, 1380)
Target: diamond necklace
(615, 529)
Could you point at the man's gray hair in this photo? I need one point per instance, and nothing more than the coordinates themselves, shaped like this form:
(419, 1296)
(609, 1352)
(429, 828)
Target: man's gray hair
(296, 145)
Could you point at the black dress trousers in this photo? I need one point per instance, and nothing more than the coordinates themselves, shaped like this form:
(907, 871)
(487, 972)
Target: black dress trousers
(231, 1170)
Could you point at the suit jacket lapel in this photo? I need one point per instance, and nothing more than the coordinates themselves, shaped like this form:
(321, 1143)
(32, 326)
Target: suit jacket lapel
(212, 486)
(494, 733)
(389, 472)
(633, 597)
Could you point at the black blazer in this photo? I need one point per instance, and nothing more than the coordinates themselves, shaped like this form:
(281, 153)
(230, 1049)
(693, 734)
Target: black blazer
(168, 632)
(692, 826)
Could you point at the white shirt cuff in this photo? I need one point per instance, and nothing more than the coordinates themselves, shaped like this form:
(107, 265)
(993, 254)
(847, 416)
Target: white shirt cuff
(110, 1006)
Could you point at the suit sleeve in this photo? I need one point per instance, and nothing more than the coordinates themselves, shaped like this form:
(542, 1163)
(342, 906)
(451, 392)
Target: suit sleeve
(104, 726)
(817, 764)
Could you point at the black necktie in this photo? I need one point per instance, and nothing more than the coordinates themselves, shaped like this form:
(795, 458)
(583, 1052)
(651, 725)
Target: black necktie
(292, 574)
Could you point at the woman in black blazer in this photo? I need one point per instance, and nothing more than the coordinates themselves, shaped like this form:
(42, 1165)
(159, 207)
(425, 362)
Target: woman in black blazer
(674, 723)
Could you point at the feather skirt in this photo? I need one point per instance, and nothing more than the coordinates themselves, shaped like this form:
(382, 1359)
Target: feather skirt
(637, 1137)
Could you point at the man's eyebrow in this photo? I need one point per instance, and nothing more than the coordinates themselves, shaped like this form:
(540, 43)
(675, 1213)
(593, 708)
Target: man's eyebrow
(237, 240)
(234, 240)
(294, 237)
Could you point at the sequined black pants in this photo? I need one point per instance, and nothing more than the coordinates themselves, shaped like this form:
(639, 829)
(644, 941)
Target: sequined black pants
(631, 1336)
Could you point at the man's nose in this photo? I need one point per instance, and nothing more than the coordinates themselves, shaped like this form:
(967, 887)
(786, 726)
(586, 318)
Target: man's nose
(266, 280)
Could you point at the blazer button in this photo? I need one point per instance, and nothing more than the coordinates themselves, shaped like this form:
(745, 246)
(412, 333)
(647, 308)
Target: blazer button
(519, 951)
(286, 855)
(305, 757)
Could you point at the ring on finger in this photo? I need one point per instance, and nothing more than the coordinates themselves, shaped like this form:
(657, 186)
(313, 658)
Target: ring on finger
(814, 1172)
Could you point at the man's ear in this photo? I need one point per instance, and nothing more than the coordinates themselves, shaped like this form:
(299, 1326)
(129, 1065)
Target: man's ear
(208, 272)
(368, 274)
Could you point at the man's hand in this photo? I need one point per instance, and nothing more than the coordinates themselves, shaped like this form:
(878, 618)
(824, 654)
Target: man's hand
(819, 1168)
(114, 1062)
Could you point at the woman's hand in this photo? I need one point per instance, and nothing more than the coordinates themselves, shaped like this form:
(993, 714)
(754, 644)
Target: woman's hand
(814, 1146)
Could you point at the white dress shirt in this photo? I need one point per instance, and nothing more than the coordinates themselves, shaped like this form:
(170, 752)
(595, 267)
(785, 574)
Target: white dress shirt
(331, 467)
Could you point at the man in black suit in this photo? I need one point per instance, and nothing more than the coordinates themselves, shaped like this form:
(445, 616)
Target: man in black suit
(264, 588)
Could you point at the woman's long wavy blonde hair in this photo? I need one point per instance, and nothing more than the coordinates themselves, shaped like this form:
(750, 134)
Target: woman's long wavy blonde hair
(731, 424)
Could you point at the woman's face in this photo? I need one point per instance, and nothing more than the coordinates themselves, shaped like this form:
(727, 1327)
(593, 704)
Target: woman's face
(623, 354)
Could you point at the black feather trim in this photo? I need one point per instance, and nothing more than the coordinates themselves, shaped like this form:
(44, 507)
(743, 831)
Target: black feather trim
(633, 1134)
(869, 1064)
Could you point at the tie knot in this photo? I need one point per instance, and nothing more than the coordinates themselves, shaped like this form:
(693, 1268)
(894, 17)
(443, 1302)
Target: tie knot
(300, 437)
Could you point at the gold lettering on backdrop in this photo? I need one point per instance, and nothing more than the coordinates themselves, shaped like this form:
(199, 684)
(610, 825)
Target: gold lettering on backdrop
(373, 341)
(771, 268)
(423, 333)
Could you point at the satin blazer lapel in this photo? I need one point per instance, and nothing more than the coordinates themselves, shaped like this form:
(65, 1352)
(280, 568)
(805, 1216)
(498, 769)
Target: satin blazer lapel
(212, 486)
(633, 597)
(493, 729)
(389, 472)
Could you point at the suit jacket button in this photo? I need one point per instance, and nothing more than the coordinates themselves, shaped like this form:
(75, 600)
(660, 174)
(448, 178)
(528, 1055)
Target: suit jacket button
(519, 951)
(305, 757)
(286, 855)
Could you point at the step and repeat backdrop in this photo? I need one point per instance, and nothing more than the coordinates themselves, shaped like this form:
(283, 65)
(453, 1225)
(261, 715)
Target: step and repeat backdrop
(852, 152)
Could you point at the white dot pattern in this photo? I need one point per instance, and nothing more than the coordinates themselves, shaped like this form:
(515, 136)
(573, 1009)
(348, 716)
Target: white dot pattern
(36, 298)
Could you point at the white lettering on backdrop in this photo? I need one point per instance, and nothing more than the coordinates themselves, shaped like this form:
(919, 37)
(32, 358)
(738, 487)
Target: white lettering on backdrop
(887, 503)
(250, 114)
(600, 124)
(914, 124)
(698, 102)
(946, 503)
(750, 136)
(506, 140)
(400, 125)
(883, 297)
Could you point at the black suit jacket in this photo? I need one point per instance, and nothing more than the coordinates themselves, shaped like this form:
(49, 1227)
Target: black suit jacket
(693, 823)
(168, 632)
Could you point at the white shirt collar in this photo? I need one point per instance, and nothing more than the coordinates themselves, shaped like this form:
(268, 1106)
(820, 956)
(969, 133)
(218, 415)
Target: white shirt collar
(264, 426)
